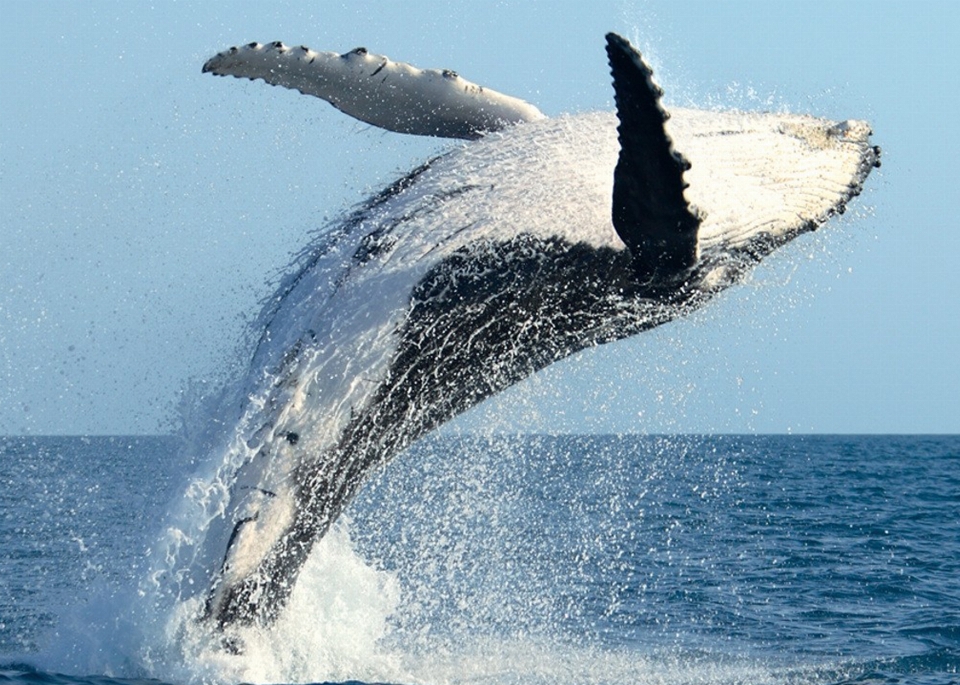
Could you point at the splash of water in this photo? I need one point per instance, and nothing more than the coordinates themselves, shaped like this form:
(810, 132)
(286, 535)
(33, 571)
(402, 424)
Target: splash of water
(330, 632)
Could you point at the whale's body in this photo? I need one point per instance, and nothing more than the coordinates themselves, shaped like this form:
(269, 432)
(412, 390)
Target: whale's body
(484, 265)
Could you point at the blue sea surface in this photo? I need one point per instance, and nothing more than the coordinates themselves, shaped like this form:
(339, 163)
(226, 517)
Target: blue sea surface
(709, 559)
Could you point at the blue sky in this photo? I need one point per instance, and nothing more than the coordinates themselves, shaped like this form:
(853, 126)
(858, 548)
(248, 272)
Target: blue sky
(145, 208)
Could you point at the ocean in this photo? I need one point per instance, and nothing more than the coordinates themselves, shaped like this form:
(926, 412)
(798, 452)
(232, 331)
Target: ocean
(518, 559)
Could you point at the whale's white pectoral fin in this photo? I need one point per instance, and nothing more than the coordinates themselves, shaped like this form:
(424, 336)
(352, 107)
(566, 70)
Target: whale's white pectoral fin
(392, 95)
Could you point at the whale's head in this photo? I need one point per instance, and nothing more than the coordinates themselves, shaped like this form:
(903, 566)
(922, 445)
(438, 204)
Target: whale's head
(745, 183)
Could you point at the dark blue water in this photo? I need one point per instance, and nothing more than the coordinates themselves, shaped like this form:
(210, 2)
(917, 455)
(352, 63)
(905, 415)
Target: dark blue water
(556, 559)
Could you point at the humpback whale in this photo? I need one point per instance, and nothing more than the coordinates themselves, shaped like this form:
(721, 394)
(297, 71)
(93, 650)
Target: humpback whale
(539, 237)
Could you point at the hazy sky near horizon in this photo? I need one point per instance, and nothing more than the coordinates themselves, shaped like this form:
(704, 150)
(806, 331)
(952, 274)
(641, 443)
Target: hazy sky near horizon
(146, 209)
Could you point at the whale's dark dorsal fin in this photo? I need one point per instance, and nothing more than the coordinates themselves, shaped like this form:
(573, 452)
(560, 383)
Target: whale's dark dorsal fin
(650, 212)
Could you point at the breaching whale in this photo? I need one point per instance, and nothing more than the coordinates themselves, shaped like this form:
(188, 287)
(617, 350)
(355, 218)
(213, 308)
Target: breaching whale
(538, 238)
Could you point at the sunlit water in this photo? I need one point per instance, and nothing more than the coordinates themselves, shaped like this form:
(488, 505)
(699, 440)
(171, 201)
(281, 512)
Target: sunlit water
(527, 559)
